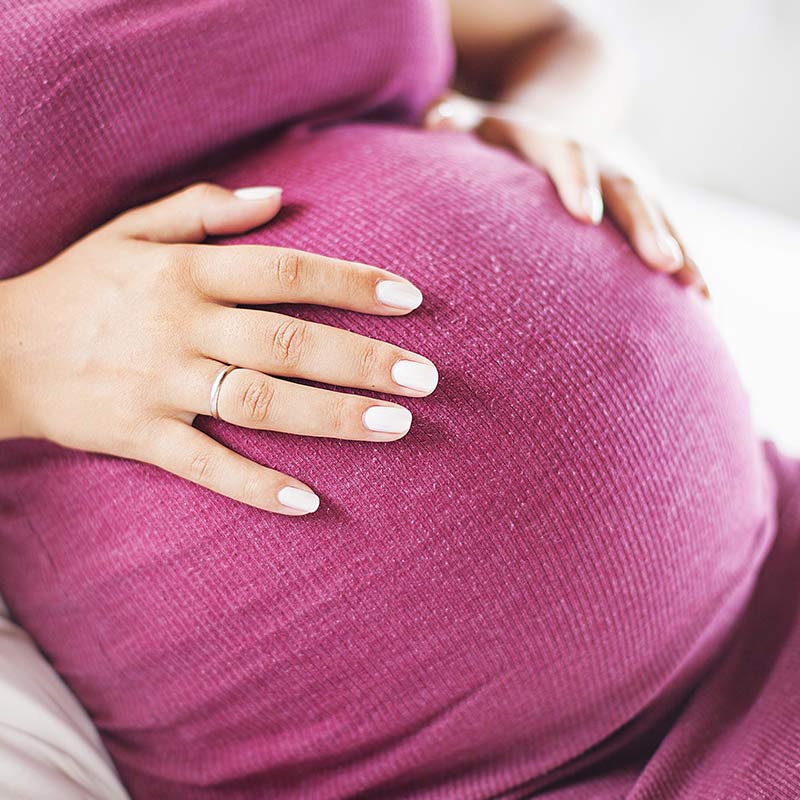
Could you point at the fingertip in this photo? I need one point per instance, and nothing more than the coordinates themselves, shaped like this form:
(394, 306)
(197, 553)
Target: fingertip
(421, 376)
(690, 276)
(572, 200)
(259, 203)
(394, 420)
(584, 204)
(578, 214)
(686, 276)
(661, 251)
(297, 500)
(454, 112)
(258, 193)
(436, 117)
(398, 296)
(223, 212)
(592, 204)
(671, 252)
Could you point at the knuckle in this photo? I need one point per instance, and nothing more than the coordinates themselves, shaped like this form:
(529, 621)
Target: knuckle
(256, 401)
(253, 490)
(288, 342)
(135, 439)
(176, 259)
(125, 219)
(366, 363)
(201, 468)
(199, 192)
(337, 414)
(288, 265)
(355, 280)
(178, 264)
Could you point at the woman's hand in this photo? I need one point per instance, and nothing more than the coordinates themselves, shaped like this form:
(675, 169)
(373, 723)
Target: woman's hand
(114, 345)
(586, 189)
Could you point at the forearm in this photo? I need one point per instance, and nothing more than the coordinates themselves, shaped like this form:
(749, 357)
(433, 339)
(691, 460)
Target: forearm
(569, 75)
(552, 64)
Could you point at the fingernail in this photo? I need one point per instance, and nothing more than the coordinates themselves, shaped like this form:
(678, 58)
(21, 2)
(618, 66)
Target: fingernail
(593, 204)
(439, 116)
(461, 113)
(298, 499)
(258, 192)
(387, 419)
(398, 295)
(445, 109)
(415, 375)
(671, 250)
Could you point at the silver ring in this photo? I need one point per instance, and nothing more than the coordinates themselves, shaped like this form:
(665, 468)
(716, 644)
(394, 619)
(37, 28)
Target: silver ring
(217, 386)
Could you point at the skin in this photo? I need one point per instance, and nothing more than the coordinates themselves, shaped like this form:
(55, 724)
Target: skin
(542, 61)
(113, 346)
(158, 319)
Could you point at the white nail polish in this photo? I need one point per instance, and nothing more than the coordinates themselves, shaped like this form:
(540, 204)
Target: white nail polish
(670, 248)
(415, 375)
(593, 204)
(258, 192)
(298, 499)
(398, 295)
(445, 109)
(461, 113)
(387, 419)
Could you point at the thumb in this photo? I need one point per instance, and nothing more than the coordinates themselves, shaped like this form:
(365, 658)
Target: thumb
(201, 210)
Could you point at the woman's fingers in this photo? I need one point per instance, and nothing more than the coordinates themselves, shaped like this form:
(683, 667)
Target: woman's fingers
(574, 172)
(642, 223)
(200, 210)
(251, 399)
(190, 454)
(258, 274)
(570, 166)
(577, 180)
(650, 231)
(689, 274)
(282, 345)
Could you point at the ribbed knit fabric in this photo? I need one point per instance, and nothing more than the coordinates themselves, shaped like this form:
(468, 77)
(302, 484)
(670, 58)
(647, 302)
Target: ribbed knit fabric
(546, 589)
(107, 103)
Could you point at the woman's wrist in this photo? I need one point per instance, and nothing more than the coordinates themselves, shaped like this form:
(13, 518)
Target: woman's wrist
(10, 418)
(572, 77)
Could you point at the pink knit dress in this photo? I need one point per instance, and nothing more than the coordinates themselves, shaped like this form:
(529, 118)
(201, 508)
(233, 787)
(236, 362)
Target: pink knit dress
(577, 577)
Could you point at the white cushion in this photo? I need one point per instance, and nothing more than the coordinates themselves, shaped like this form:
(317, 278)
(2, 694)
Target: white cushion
(48, 746)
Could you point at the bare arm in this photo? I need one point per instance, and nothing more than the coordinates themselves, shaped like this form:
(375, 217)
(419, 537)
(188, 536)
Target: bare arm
(537, 55)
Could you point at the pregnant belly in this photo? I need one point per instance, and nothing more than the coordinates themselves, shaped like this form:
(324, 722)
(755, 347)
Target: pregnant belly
(564, 538)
